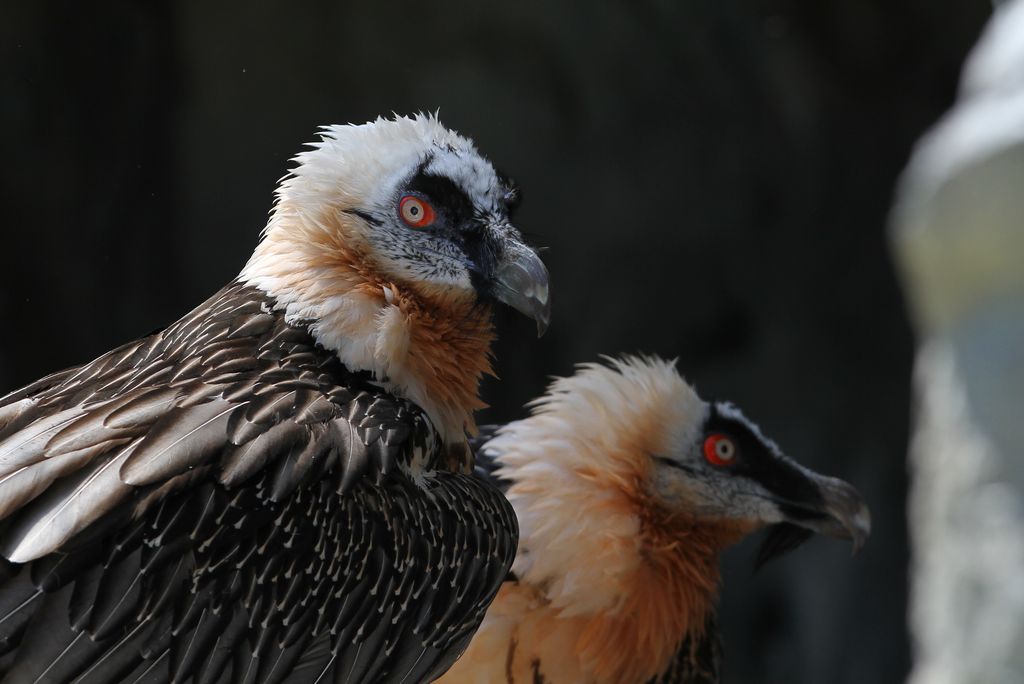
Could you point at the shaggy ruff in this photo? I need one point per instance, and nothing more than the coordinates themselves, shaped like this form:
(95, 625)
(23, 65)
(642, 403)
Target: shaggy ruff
(429, 344)
(579, 465)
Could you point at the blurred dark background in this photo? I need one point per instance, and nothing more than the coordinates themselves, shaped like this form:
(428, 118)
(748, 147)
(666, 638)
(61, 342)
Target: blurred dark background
(712, 179)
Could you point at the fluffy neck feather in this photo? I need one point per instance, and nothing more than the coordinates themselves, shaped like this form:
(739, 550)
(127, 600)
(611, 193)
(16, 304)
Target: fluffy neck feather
(627, 577)
(429, 345)
(667, 598)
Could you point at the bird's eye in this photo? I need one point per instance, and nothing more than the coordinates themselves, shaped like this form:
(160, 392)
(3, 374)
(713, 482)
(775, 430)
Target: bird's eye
(416, 213)
(720, 450)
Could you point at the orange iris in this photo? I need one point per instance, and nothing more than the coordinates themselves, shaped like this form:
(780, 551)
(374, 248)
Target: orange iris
(416, 212)
(720, 450)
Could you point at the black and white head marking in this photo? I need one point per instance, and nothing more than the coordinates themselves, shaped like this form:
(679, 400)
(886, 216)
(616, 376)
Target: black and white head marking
(415, 203)
(468, 233)
(714, 481)
(732, 471)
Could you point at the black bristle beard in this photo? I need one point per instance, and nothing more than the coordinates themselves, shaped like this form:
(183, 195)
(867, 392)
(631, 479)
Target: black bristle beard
(780, 540)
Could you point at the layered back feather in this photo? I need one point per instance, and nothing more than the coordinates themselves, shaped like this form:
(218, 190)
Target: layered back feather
(225, 502)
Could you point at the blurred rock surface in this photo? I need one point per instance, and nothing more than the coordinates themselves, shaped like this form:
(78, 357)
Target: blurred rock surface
(959, 233)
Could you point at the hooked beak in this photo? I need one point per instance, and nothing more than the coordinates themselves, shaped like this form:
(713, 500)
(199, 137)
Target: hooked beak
(521, 281)
(838, 511)
(844, 513)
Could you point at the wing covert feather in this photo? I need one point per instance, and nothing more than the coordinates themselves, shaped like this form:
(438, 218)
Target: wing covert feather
(224, 502)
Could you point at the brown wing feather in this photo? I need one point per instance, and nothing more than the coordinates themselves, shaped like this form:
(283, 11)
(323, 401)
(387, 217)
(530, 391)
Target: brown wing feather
(224, 501)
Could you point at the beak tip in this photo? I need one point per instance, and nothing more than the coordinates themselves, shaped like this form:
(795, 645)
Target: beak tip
(854, 521)
(860, 528)
(843, 513)
(522, 283)
(543, 319)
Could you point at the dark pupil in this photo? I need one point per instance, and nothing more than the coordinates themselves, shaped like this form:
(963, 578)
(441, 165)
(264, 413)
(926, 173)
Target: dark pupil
(414, 210)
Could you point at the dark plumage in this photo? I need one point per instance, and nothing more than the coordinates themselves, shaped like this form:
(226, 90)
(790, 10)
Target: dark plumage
(277, 487)
(254, 523)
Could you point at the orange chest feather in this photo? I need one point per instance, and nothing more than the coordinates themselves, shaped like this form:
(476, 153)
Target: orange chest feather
(434, 339)
(444, 346)
(666, 599)
(449, 348)
(429, 343)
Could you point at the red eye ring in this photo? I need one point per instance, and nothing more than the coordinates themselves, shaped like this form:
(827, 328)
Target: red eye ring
(720, 450)
(415, 212)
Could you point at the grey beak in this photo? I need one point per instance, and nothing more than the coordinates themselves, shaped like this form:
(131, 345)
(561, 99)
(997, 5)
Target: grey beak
(521, 281)
(846, 514)
(838, 510)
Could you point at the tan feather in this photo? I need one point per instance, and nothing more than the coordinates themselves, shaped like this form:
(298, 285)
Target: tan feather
(28, 482)
(29, 445)
(10, 412)
(239, 463)
(183, 438)
(65, 509)
(141, 409)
